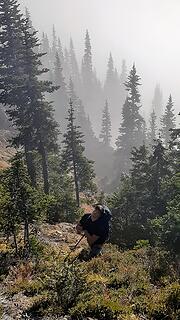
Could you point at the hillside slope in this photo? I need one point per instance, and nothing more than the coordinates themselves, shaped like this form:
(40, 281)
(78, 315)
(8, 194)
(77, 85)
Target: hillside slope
(140, 284)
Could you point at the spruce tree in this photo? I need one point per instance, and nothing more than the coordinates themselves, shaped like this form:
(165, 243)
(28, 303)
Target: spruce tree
(66, 65)
(125, 141)
(168, 122)
(73, 157)
(109, 83)
(131, 131)
(105, 134)
(157, 103)
(46, 58)
(20, 205)
(152, 129)
(87, 73)
(60, 96)
(132, 84)
(60, 52)
(123, 78)
(112, 91)
(41, 111)
(24, 93)
(74, 70)
(54, 45)
(159, 171)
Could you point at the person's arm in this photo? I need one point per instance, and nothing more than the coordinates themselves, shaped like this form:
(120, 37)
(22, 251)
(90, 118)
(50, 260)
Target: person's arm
(90, 239)
(81, 224)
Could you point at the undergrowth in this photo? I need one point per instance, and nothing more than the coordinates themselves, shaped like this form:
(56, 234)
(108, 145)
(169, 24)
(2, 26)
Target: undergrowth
(134, 284)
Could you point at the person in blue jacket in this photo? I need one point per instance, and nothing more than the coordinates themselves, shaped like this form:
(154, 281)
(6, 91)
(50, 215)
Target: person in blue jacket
(95, 227)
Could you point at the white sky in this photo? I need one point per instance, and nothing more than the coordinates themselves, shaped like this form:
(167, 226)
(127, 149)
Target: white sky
(144, 31)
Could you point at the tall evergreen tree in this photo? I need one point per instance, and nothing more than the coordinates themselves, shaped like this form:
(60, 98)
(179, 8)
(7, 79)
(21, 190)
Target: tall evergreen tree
(60, 51)
(159, 171)
(109, 83)
(20, 205)
(66, 65)
(105, 134)
(74, 69)
(157, 103)
(24, 93)
(152, 129)
(168, 121)
(131, 132)
(60, 96)
(112, 92)
(87, 70)
(46, 57)
(54, 45)
(74, 159)
(123, 78)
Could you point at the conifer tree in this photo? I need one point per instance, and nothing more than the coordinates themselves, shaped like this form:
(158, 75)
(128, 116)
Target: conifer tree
(66, 65)
(112, 91)
(123, 78)
(109, 83)
(60, 52)
(125, 141)
(159, 171)
(74, 70)
(132, 83)
(168, 121)
(131, 131)
(157, 103)
(74, 159)
(60, 96)
(20, 205)
(87, 71)
(152, 129)
(54, 45)
(105, 134)
(46, 57)
(24, 93)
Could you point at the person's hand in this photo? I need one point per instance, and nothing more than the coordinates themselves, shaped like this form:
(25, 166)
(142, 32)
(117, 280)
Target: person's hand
(86, 233)
(79, 229)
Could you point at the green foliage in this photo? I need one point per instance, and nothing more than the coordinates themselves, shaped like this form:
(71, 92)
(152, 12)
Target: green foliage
(19, 202)
(168, 121)
(73, 158)
(105, 134)
(69, 285)
(167, 228)
(117, 285)
(131, 131)
(145, 207)
(24, 93)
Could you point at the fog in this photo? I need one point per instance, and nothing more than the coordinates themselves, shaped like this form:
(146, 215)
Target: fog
(143, 31)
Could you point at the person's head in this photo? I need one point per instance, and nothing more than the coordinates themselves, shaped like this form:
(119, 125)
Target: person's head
(98, 211)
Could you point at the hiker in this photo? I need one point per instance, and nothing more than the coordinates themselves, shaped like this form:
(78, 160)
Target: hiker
(95, 227)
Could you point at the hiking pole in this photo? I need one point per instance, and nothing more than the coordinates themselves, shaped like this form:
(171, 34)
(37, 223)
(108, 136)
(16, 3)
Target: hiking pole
(74, 247)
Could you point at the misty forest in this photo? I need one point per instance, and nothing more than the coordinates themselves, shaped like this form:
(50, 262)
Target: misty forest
(74, 143)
